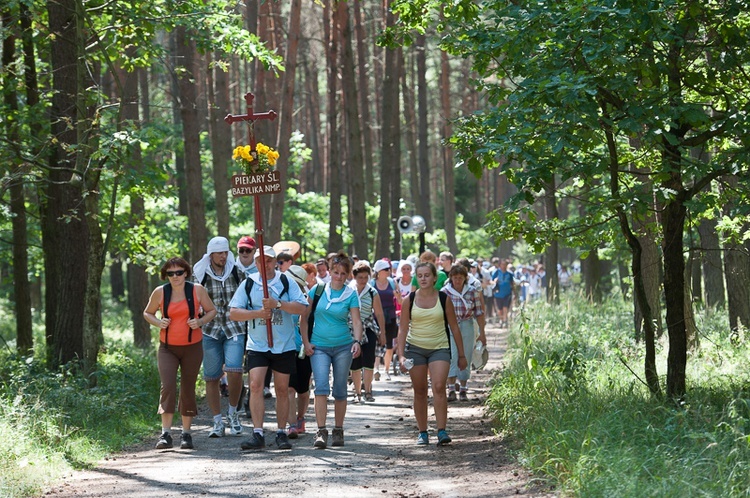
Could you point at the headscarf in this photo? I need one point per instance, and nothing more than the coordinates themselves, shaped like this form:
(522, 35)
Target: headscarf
(217, 244)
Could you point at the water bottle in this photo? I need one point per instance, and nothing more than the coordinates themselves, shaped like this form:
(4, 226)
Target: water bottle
(301, 354)
(408, 363)
(479, 347)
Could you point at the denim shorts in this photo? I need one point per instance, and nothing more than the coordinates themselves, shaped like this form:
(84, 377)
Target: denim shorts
(422, 356)
(222, 355)
(323, 358)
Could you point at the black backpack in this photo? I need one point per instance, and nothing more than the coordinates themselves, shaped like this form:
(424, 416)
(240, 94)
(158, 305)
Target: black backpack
(443, 298)
(167, 288)
(311, 317)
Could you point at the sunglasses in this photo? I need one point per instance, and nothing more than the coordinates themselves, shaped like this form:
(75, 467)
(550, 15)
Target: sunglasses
(244, 250)
(176, 273)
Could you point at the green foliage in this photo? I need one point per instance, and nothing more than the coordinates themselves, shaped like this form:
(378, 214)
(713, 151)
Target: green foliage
(584, 422)
(52, 421)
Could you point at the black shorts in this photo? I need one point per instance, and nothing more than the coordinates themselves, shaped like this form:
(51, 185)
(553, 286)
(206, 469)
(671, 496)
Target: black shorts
(367, 358)
(285, 363)
(391, 332)
(503, 302)
(300, 380)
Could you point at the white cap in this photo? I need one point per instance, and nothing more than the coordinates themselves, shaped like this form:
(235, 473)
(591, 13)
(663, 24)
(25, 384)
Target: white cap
(381, 265)
(217, 244)
(267, 251)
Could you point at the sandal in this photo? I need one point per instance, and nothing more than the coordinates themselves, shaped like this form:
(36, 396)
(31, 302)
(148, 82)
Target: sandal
(368, 397)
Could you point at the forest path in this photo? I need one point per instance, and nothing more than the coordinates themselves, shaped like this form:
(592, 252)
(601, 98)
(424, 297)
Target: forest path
(380, 457)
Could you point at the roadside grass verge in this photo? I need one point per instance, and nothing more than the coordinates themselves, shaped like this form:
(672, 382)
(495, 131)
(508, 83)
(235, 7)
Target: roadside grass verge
(588, 427)
(51, 422)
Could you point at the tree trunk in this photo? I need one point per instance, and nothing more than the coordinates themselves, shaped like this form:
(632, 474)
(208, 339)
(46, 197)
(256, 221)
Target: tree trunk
(64, 231)
(591, 269)
(551, 255)
(335, 240)
(196, 209)
(396, 168)
(423, 206)
(650, 263)
(356, 188)
(389, 158)
(221, 143)
(137, 277)
(410, 136)
(286, 113)
(712, 266)
(116, 278)
(21, 285)
(737, 271)
(315, 177)
(363, 63)
(179, 153)
(449, 180)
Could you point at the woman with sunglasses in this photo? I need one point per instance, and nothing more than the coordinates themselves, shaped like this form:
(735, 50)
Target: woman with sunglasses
(331, 346)
(180, 344)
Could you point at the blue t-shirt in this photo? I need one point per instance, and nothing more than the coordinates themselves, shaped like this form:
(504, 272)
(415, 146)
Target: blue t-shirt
(504, 286)
(331, 327)
(257, 332)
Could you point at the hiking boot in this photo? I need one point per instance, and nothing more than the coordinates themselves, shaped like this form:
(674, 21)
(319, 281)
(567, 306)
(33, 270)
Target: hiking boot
(451, 395)
(256, 442)
(165, 441)
(186, 441)
(443, 438)
(423, 439)
(300, 425)
(217, 430)
(267, 393)
(282, 441)
(292, 432)
(462, 396)
(321, 439)
(338, 436)
(235, 427)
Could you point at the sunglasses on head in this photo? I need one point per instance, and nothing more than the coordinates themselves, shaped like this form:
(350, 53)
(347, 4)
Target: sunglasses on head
(176, 273)
(244, 250)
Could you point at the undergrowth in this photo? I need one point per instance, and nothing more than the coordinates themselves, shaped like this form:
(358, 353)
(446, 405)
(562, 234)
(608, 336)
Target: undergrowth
(588, 425)
(52, 422)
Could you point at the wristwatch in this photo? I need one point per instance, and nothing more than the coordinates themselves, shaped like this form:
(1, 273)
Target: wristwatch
(278, 305)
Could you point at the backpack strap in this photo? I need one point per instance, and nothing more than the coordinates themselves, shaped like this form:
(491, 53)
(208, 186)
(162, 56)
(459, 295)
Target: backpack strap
(443, 297)
(311, 317)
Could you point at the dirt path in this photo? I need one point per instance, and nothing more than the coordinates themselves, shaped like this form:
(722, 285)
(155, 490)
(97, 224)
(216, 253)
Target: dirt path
(380, 457)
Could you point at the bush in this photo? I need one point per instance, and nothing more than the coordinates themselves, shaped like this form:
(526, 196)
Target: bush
(586, 423)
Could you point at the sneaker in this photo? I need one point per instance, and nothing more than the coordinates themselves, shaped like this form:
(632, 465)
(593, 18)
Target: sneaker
(443, 438)
(217, 430)
(356, 398)
(423, 439)
(377, 375)
(338, 436)
(301, 425)
(369, 398)
(292, 432)
(165, 441)
(186, 442)
(256, 442)
(321, 439)
(282, 441)
(224, 389)
(235, 427)
(451, 395)
(267, 392)
(387, 376)
(462, 396)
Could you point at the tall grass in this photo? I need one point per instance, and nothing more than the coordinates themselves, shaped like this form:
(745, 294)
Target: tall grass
(589, 426)
(51, 422)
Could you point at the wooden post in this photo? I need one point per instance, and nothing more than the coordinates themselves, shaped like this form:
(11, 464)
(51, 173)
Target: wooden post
(251, 117)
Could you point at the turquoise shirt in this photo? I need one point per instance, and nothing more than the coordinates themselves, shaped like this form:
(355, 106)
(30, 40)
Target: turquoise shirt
(331, 327)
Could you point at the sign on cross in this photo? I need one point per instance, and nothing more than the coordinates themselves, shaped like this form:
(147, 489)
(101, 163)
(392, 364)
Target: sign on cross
(251, 117)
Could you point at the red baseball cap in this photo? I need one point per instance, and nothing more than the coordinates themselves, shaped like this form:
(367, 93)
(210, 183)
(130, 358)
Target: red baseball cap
(246, 241)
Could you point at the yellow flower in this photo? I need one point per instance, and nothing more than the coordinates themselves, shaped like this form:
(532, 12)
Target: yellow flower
(259, 161)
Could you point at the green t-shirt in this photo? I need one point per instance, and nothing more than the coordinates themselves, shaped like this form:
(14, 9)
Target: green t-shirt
(442, 277)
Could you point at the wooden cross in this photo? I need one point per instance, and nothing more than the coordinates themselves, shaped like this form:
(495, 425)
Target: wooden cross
(252, 117)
